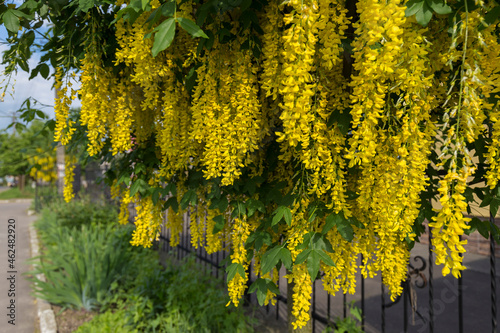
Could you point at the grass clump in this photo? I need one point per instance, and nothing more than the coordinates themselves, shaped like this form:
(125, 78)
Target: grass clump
(89, 264)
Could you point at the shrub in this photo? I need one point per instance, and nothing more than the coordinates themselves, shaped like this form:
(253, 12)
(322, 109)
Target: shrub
(80, 264)
(83, 211)
(179, 298)
(107, 322)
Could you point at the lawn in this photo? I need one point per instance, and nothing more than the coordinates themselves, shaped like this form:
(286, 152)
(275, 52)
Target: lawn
(15, 193)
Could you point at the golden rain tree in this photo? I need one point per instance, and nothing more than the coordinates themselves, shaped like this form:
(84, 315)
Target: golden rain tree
(309, 133)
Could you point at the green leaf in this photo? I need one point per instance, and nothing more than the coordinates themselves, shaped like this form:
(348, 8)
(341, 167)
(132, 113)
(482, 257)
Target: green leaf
(164, 36)
(138, 185)
(253, 286)
(495, 202)
(439, 7)
(313, 264)
(245, 4)
(223, 203)
(219, 223)
(271, 286)
(302, 256)
(204, 10)
(343, 225)
(424, 15)
(124, 178)
(168, 9)
(11, 21)
(343, 120)
(250, 186)
(356, 312)
(29, 38)
(286, 258)
(156, 195)
(270, 259)
(261, 291)
(34, 73)
(330, 221)
(346, 231)
(172, 202)
(481, 226)
(44, 70)
(413, 6)
(288, 216)
(490, 18)
(354, 221)
(239, 209)
(278, 215)
(325, 258)
(262, 238)
(261, 286)
(85, 5)
(191, 27)
(487, 200)
(190, 79)
(251, 207)
(234, 268)
(154, 17)
(188, 197)
(305, 242)
(287, 200)
(24, 65)
(40, 114)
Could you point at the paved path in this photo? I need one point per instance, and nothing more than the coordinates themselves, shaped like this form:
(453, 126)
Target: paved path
(16, 291)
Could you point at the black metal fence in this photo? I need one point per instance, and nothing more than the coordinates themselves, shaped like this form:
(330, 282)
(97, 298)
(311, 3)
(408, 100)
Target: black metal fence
(430, 302)
(87, 182)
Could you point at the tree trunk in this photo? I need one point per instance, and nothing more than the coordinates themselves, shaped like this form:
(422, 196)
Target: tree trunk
(20, 183)
(60, 169)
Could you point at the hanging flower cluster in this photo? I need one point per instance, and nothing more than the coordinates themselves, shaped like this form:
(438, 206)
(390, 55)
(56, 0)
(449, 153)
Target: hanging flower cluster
(69, 177)
(44, 165)
(306, 133)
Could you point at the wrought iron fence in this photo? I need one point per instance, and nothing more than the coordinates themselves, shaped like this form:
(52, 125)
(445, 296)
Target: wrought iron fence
(430, 302)
(87, 181)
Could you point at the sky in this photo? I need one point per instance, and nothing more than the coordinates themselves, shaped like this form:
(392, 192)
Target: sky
(37, 88)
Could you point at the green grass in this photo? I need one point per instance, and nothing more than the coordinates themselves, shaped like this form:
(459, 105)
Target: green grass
(15, 193)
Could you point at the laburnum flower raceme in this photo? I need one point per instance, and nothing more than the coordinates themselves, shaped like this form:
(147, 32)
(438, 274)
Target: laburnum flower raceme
(316, 134)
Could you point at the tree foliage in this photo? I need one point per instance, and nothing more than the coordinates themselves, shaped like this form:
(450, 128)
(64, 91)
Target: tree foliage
(303, 133)
(26, 152)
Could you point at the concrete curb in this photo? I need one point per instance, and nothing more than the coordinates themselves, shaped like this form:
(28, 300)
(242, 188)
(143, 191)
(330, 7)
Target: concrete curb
(15, 200)
(44, 310)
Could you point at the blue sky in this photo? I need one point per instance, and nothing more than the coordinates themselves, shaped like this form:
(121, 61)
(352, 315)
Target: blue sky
(37, 88)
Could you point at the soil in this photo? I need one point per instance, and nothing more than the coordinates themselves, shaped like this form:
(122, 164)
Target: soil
(69, 320)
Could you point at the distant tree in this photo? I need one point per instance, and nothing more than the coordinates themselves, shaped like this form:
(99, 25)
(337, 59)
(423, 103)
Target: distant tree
(20, 149)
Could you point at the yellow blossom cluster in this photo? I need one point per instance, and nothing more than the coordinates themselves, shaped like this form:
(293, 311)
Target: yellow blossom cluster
(450, 222)
(147, 223)
(237, 285)
(321, 111)
(69, 177)
(47, 162)
(64, 125)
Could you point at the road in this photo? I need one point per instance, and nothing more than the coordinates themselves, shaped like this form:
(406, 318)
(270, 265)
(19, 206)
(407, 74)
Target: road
(18, 312)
